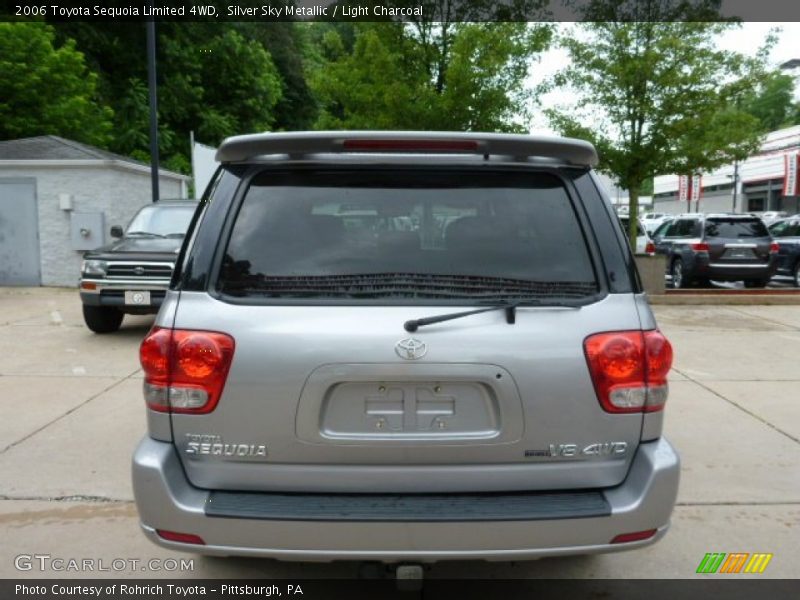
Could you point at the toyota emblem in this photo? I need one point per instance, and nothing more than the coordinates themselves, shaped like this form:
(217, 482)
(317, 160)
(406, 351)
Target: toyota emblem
(410, 348)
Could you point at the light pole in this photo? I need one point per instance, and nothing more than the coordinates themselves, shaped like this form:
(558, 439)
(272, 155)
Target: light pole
(735, 183)
(151, 82)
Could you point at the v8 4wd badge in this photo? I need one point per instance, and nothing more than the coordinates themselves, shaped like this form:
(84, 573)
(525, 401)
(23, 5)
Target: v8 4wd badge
(573, 450)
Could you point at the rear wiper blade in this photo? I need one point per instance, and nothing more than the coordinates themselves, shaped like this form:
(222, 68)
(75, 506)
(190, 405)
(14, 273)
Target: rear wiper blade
(510, 308)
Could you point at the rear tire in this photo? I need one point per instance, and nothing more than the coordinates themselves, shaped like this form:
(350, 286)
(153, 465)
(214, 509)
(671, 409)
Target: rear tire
(102, 319)
(678, 275)
(796, 274)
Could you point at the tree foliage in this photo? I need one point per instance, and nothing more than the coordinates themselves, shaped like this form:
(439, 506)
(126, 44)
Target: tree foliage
(664, 95)
(47, 88)
(773, 102)
(425, 75)
(216, 79)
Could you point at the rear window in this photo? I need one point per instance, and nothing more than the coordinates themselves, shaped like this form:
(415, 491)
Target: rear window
(407, 234)
(162, 220)
(735, 228)
(785, 229)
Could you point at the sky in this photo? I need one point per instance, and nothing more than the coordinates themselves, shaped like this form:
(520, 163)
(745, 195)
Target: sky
(746, 39)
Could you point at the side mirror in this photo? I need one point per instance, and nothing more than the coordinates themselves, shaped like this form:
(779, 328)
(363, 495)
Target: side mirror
(116, 231)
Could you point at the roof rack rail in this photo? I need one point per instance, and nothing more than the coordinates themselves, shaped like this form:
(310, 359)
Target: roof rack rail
(298, 144)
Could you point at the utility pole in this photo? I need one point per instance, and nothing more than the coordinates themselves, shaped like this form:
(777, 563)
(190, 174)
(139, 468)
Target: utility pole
(735, 183)
(151, 82)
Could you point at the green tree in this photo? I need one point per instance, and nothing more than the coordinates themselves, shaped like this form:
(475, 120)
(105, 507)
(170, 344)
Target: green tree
(660, 97)
(288, 45)
(216, 79)
(773, 102)
(425, 75)
(45, 89)
(231, 87)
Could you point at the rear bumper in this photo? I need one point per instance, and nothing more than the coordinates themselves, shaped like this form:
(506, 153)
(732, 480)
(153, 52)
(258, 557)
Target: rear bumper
(104, 292)
(721, 271)
(167, 501)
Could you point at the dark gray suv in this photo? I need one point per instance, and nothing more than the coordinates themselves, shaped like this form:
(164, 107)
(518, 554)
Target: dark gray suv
(405, 347)
(722, 247)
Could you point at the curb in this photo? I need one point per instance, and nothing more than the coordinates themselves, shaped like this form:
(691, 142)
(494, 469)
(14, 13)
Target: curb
(725, 297)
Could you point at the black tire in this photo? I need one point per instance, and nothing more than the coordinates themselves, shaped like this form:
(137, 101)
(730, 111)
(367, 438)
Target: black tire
(678, 273)
(102, 319)
(796, 274)
(756, 283)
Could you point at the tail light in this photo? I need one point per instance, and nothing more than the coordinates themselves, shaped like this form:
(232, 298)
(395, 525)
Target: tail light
(650, 248)
(774, 248)
(699, 247)
(183, 538)
(635, 536)
(409, 145)
(629, 369)
(185, 370)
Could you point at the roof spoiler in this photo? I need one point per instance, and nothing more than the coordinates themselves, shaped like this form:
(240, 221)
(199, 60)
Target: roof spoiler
(299, 144)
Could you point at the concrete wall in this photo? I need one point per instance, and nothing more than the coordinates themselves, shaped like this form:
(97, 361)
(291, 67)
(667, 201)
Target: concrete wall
(710, 202)
(116, 192)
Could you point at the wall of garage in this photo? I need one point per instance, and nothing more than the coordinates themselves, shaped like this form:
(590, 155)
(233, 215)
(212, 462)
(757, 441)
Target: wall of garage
(115, 191)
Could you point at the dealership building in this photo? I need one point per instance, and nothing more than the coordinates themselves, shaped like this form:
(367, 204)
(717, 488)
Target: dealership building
(767, 180)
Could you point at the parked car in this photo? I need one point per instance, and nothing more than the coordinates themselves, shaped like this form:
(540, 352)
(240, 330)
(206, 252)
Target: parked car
(722, 247)
(644, 245)
(771, 216)
(490, 389)
(651, 221)
(786, 233)
(131, 274)
(659, 231)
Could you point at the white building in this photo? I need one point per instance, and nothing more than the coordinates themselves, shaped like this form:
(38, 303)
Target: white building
(59, 198)
(762, 181)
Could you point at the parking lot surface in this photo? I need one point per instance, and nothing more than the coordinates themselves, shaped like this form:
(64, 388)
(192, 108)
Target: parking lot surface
(71, 412)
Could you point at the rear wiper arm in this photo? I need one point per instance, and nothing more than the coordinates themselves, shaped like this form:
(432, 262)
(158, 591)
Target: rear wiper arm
(150, 233)
(510, 308)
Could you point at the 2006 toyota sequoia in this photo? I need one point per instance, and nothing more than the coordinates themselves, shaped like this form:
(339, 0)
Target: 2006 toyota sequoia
(405, 347)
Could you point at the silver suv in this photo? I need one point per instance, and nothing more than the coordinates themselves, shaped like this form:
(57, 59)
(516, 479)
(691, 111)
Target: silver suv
(405, 347)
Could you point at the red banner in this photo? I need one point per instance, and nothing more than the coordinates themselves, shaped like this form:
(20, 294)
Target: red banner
(683, 188)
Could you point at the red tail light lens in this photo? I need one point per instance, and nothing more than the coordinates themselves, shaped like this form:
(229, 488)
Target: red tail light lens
(183, 538)
(411, 145)
(700, 247)
(636, 536)
(650, 248)
(185, 370)
(629, 369)
(774, 248)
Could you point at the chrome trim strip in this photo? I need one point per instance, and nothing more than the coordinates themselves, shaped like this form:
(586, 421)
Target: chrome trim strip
(125, 284)
(135, 263)
(738, 266)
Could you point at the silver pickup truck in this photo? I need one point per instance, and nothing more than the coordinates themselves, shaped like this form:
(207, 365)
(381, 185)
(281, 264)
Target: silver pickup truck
(404, 347)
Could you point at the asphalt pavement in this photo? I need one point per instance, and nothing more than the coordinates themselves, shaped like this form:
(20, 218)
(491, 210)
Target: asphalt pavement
(71, 412)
